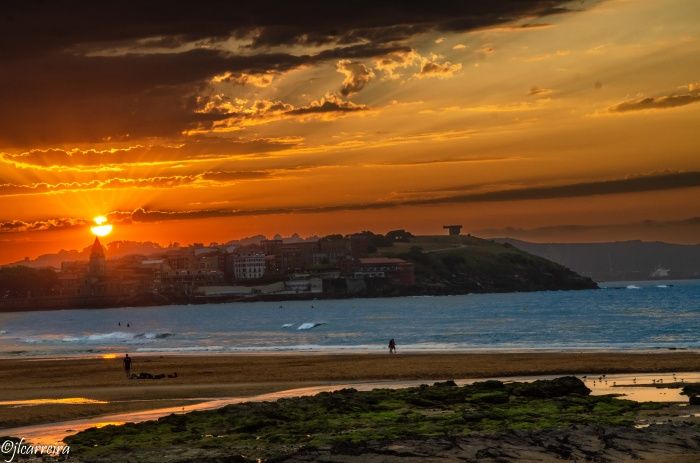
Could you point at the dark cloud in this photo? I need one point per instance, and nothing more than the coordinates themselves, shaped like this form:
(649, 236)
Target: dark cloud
(621, 186)
(434, 66)
(357, 75)
(234, 113)
(630, 185)
(660, 102)
(540, 92)
(86, 71)
(198, 148)
(656, 182)
(9, 189)
(14, 226)
(41, 27)
(330, 103)
(70, 98)
(171, 181)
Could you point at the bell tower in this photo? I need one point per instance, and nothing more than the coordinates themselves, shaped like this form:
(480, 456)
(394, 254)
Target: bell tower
(98, 265)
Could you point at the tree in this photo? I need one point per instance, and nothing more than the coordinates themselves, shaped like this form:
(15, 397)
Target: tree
(399, 236)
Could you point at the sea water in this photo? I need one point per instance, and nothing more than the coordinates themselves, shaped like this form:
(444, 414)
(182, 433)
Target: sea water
(620, 316)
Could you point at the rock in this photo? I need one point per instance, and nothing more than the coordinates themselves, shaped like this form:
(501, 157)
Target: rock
(694, 400)
(679, 443)
(546, 389)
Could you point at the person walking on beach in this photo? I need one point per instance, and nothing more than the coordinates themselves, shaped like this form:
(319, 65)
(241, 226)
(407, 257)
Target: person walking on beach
(392, 346)
(127, 366)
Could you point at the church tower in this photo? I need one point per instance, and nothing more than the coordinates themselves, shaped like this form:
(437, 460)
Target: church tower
(98, 265)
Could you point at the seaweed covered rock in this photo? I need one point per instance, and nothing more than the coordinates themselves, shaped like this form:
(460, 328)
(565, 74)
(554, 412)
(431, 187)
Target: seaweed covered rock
(547, 389)
(347, 421)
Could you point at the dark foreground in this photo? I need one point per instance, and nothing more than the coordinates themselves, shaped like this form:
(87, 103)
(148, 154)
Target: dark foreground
(487, 421)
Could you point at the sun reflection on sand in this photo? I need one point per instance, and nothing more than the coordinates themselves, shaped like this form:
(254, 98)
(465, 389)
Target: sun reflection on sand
(102, 424)
(62, 401)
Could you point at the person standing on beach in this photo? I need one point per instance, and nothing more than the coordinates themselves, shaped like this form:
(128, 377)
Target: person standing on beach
(127, 366)
(392, 346)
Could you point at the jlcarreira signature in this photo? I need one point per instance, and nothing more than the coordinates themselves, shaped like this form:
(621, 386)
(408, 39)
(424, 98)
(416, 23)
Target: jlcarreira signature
(11, 448)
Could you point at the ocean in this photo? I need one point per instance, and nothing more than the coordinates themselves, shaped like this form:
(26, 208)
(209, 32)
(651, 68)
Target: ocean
(620, 316)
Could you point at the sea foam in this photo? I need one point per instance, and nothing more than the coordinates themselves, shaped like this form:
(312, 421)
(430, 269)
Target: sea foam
(100, 338)
(310, 325)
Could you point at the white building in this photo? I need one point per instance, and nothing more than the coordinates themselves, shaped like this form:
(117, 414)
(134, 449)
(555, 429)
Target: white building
(248, 265)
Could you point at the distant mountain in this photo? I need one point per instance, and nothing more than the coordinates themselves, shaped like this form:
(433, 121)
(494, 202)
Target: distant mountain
(623, 260)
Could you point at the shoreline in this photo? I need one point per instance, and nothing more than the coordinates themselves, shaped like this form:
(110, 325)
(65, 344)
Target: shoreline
(52, 303)
(216, 376)
(55, 303)
(350, 351)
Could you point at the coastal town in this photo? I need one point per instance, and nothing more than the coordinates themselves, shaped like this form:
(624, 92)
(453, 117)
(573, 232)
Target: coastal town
(335, 266)
(363, 264)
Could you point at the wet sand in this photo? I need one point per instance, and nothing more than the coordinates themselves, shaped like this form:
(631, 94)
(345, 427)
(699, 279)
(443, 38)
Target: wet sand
(619, 384)
(202, 377)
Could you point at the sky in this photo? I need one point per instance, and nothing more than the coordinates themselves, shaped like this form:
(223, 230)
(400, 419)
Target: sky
(544, 120)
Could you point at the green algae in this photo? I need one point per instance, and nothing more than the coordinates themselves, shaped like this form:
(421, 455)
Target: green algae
(272, 430)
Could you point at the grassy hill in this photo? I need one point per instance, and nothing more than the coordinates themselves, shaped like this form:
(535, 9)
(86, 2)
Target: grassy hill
(461, 264)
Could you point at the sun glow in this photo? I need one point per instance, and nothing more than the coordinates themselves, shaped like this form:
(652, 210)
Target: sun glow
(101, 228)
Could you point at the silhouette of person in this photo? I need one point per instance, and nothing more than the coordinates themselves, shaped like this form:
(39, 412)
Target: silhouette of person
(120, 323)
(392, 346)
(128, 325)
(127, 365)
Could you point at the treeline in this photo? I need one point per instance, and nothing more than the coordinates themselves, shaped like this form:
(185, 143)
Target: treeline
(377, 240)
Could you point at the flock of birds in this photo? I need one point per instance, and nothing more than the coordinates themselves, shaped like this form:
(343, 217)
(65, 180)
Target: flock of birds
(603, 380)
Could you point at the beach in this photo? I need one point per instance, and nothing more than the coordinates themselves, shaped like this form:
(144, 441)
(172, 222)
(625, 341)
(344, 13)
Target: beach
(103, 382)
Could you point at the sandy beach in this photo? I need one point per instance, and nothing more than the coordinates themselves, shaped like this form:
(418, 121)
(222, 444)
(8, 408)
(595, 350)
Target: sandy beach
(201, 377)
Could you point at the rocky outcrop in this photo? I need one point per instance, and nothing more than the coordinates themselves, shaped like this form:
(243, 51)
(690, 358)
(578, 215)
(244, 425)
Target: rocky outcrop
(658, 444)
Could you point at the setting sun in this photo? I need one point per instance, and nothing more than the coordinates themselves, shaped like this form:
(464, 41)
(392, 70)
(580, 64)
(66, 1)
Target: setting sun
(101, 228)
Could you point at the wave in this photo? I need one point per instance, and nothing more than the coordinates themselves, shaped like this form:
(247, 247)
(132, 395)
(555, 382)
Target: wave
(287, 325)
(662, 286)
(182, 349)
(100, 338)
(310, 325)
(633, 287)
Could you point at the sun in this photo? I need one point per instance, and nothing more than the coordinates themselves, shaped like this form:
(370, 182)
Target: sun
(101, 228)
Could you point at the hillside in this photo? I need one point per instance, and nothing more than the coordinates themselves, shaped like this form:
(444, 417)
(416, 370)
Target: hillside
(618, 261)
(461, 264)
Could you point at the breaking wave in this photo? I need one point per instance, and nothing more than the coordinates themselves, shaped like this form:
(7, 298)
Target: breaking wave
(102, 338)
(182, 349)
(309, 325)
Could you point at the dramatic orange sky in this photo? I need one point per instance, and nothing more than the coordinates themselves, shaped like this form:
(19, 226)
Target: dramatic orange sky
(543, 120)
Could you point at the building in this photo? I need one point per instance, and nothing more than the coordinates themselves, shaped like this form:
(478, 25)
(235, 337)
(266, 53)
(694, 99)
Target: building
(247, 263)
(331, 250)
(292, 257)
(454, 230)
(98, 263)
(95, 281)
(397, 270)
